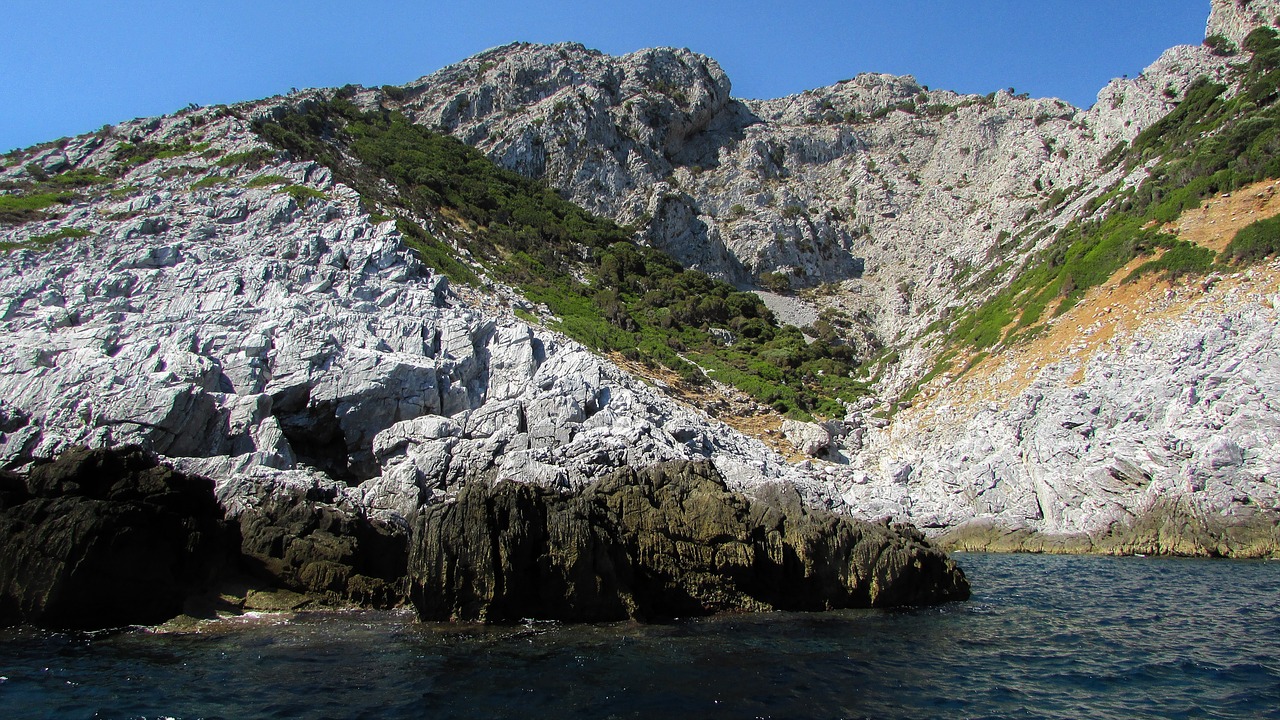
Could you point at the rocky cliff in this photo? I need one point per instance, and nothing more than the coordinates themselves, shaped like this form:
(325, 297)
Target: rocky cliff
(667, 541)
(105, 538)
(102, 539)
(246, 292)
(888, 196)
(180, 285)
(249, 318)
(1235, 19)
(895, 206)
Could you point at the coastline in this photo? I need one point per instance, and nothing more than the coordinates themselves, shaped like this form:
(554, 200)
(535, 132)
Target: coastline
(1164, 532)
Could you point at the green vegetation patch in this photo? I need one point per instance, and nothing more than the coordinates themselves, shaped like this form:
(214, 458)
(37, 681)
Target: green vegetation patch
(1181, 259)
(1254, 243)
(25, 208)
(435, 253)
(608, 292)
(43, 242)
(303, 194)
(1208, 145)
(251, 159)
(132, 154)
(262, 181)
(78, 179)
(28, 201)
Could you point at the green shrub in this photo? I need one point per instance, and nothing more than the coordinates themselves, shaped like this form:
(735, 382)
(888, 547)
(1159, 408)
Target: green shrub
(250, 159)
(776, 282)
(606, 291)
(1209, 144)
(435, 253)
(1220, 45)
(41, 242)
(1254, 243)
(303, 194)
(1183, 258)
(1261, 40)
(211, 181)
(144, 152)
(24, 208)
(78, 179)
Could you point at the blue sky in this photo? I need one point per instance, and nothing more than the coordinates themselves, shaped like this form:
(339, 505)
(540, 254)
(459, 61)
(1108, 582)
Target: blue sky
(71, 66)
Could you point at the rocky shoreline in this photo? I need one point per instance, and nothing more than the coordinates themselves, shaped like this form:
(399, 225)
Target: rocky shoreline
(1169, 530)
(103, 538)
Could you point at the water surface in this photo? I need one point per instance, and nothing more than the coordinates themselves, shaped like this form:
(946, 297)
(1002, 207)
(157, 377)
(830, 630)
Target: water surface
(1043, 637)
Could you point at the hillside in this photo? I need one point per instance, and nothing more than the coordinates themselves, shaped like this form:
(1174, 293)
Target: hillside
(546, 264)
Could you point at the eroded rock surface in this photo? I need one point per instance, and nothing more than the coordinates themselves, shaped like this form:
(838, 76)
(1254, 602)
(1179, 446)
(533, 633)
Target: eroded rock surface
(898, 194)
(666, 541)
(1235, 19)
(250, 334)
(100, 539)
(1178, 413)
(243, 315)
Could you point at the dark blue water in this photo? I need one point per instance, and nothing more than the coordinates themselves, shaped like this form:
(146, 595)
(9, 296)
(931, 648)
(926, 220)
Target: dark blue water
(1043, 637)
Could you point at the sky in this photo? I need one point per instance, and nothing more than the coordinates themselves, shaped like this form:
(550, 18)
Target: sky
(71, 66)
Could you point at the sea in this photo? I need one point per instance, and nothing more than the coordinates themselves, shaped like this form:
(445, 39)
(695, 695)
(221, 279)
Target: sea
(1042, 637)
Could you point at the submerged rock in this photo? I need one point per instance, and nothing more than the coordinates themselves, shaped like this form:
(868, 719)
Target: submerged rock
(669, 540)
(101, 538)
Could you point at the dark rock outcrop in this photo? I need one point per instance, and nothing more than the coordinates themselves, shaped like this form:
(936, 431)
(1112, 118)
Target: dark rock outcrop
(307, 543)
(103, 538)
(661, 542)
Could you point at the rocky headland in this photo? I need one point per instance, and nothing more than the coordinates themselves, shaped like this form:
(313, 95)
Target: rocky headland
(289, 298)
(105, 538)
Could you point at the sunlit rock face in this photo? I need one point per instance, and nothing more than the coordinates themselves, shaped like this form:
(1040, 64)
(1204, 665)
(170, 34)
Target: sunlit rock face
(1235, 19)
(241, 312)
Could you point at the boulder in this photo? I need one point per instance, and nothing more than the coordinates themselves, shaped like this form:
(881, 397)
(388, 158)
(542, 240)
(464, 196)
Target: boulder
(309, 542)
(664, 541)
(103, 538)
(809, 438)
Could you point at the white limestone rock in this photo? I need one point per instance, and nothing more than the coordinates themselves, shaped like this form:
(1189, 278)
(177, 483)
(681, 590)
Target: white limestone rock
(272, 344)
(1235, 19)
(809, 438)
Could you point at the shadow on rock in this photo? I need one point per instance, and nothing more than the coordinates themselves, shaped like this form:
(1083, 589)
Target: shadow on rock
(662, 542)
(106, 538)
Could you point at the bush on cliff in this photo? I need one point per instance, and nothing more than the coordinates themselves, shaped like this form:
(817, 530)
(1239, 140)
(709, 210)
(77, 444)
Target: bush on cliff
(606, 291)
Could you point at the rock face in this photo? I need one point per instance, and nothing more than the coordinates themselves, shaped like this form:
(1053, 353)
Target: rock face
(244, 315)
(666, 541)
(249, 335)
(102, 538)
(308, 543)
(1176, 414)
(1170, 527)
(894, 195)
(899, 197)
(1235, 19)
